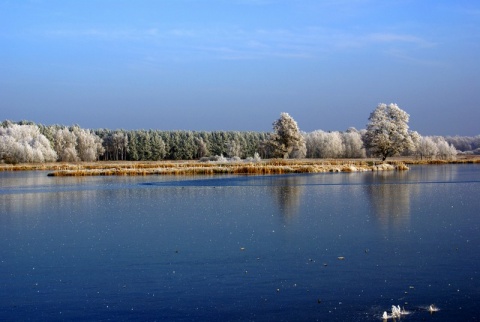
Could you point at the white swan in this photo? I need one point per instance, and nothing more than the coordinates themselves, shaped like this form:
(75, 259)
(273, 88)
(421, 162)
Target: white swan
(404, 312)
(397, 312)
(385, 316)
(432, 308)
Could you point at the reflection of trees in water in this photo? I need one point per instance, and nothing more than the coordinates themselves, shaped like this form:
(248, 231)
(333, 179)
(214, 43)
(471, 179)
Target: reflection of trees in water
(390, 191)
(390, 199)
(435, 173)
(287, 192)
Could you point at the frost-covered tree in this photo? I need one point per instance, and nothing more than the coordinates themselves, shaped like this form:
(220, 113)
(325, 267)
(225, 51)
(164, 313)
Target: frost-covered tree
(65, 145)
(445, 151)
(256, 158)
(158, 147)
(334, 144)
(132, 146)
(202, 150)
(286, 140)
(89, 145)
(426, 148)
(24, 143)
(468, 144)
(120, 145)
(311, 144)
(145, 145)
(353, 144)
(322, 144)
(233, 149)
(412, 149)
(387, 132)
(77, 144)
(435, 147)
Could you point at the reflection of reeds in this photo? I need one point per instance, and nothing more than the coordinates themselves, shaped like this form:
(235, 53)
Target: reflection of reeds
(272, 166)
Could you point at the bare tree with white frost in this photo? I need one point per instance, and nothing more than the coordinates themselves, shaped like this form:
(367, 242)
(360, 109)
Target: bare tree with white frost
(426, 148)
(24, 143)
(334, 144)
(446, 151)
(322, 144)
(387, 132)
(65, 144)
(435, 147)
(286, 141)
(89, 145)
(77, 144)
(352, 141)
(234, 149)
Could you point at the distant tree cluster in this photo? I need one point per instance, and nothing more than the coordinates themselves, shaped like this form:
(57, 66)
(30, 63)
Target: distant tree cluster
(465, 144)
(387, 134)
(434, 147)
(154, 145)
(24, 143)
(335, 144)
(75, 144)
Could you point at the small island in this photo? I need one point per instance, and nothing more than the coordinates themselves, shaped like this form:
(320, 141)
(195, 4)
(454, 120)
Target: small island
(242, 167)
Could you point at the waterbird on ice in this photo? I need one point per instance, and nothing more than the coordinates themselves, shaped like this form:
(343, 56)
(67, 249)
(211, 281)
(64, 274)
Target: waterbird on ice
(397, 312)
(432, 308)
(385, 315)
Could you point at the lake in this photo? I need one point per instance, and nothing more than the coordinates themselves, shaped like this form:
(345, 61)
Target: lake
(306, 247)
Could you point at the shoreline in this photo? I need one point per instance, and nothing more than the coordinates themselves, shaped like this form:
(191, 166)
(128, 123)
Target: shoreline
(269, 166)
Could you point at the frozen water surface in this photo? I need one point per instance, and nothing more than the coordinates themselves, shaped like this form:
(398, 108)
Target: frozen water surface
(327, 247)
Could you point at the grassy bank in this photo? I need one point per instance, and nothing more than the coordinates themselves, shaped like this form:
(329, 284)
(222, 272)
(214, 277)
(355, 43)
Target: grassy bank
(272, 166)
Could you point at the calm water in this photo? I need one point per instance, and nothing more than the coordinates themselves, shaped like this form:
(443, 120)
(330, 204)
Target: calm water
(241, 248)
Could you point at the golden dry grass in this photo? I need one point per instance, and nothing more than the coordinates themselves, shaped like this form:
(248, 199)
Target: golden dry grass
(272, 166)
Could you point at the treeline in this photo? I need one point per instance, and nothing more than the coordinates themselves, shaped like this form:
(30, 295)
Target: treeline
(465, 144)
(321, 144)
(26, 141)
(29, 142)
(153, 145)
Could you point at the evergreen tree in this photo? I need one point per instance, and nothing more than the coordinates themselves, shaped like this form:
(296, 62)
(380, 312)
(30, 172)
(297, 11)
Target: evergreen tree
(286, 140)
(158, 146)
(133, 146)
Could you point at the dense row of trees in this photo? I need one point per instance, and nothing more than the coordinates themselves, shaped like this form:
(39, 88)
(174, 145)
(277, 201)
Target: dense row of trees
(386, 135)
(179, 145)
(335, 144)
(434, 147)
(465, 144)
(24, 143)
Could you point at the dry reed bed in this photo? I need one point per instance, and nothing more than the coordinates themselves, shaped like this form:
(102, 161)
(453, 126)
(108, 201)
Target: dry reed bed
(228, 168)
(272, 166)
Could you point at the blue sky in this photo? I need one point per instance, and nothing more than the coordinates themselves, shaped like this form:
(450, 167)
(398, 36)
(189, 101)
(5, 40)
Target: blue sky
(237, 64)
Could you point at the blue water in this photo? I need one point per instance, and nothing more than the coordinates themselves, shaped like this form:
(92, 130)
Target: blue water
(241, 248)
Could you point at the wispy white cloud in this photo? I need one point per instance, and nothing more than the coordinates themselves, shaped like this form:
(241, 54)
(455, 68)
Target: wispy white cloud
(98, 33)
(405, 56)
(239, 43)
(398, 38)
